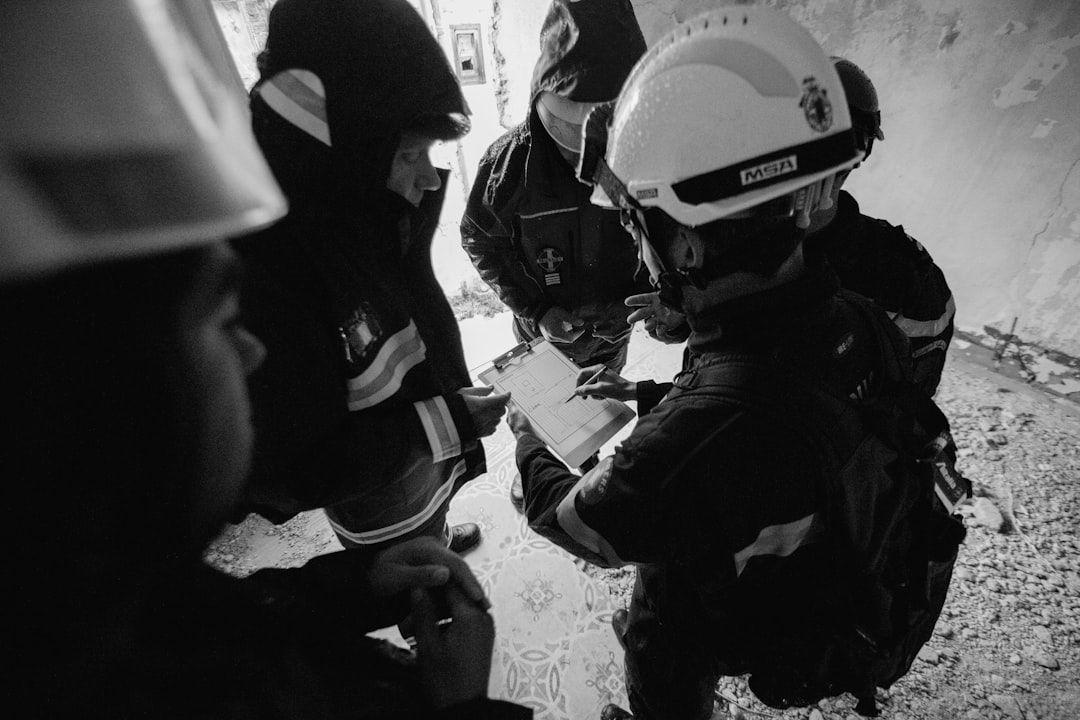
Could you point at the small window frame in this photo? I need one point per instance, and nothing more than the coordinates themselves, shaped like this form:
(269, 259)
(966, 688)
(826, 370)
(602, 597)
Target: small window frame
(474, 75)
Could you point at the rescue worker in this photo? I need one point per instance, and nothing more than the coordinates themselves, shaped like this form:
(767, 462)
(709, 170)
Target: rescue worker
(871, 257)
(364, 406)
(716, 164)
(879, 260)
(126, 161)
(558, 262)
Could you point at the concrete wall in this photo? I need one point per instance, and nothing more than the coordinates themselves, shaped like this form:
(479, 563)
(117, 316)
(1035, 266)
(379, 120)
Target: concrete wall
(981, 111)
(244, 24)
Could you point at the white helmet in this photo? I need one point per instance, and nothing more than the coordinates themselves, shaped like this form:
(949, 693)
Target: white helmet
(733, 108)
(124, 132)
(563, 119)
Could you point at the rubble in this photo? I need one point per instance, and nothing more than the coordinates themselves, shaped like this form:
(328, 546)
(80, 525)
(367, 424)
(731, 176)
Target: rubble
(1008, 642)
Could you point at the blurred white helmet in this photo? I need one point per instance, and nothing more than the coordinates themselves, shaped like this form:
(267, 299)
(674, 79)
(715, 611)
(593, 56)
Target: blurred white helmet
(124, 132)
(733, 108)
(563, 119)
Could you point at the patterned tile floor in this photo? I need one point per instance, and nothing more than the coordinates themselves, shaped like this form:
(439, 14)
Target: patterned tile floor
(554, 649)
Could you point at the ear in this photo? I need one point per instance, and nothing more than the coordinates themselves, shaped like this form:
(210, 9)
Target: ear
(688, 249)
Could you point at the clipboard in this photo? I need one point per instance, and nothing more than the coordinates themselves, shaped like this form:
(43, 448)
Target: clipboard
(540, 379)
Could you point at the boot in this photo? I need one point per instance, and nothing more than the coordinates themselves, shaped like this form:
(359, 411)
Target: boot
(517, 493)
(618, 624)
(464, 537)
(612, 711)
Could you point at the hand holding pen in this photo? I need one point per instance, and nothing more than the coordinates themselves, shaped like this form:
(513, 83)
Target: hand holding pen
(598, 381)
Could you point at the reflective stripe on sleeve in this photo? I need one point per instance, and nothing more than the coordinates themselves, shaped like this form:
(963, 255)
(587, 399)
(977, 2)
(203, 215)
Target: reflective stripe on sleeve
(557, 211)
(401, 352)
(574, 526)
(403, 527)
(298, 96)
(927, 328)
(439, 426)
(780, 540)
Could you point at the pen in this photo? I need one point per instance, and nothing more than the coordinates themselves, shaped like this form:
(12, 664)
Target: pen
(594, 378)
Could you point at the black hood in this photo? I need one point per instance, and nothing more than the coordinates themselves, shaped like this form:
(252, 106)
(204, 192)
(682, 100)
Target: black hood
(383, 72)
(587, 49)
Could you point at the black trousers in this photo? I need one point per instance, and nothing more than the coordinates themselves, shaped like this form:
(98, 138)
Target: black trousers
(671, 673)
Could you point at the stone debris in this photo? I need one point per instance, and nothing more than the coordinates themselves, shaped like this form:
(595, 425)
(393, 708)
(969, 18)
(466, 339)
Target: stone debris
(1008, 642)
(983, 512)
(1008, 705)
(929, 655)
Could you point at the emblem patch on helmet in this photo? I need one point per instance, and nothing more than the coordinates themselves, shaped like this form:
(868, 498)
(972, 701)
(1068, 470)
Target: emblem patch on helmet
(816, 105)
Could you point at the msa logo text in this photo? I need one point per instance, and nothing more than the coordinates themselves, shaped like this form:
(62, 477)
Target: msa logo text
(780, 166)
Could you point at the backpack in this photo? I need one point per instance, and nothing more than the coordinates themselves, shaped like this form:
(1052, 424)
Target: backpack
(888, 509)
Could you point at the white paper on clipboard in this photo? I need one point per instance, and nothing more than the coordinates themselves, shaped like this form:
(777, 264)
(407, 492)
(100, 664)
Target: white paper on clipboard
(539, 379)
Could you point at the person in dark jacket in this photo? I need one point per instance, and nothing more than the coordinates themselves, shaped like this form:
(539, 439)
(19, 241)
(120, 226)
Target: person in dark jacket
(718, 503)
(140, 452)
(364, 405)
(871, 257)
(558, 262)
(881, 261)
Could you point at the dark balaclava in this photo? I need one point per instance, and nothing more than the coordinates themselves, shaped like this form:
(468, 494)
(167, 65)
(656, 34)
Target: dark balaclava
(587, 49)
(341, 80)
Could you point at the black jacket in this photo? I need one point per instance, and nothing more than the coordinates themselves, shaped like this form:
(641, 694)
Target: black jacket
(882, 262)
(356, 406)
(719, 504)
(529, 226)
(278, 645)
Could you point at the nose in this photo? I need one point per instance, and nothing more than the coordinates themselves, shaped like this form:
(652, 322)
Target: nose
(251, 349)
(427, 178)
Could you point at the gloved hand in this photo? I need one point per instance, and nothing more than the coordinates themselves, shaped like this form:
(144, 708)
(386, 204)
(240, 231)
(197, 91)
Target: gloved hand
(661, 322)
(454, 637)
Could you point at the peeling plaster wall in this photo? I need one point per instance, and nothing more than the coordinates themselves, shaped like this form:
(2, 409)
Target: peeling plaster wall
(981, 111)
(519, 42)
(243, 22)
(442, 16)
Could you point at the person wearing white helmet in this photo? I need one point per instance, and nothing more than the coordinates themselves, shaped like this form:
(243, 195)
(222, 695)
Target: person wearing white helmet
(126, 164)
(879, 260)
(725, 138)
(871, 257)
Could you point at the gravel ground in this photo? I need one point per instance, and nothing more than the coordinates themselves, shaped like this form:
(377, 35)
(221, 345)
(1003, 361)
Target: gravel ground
(1008, 642)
